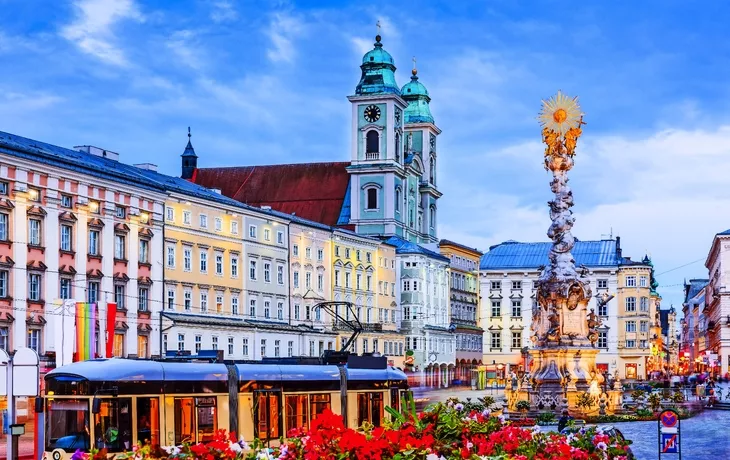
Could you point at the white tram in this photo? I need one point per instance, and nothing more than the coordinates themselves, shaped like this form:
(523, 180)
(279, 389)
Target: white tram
(117, 403)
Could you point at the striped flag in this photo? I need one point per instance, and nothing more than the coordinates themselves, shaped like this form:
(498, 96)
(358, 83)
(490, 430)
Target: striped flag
(85, 329)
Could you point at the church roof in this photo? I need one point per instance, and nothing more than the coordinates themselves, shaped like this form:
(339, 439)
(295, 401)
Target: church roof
(312, 191)
(514, 255)
(418, 110)
(378, 72)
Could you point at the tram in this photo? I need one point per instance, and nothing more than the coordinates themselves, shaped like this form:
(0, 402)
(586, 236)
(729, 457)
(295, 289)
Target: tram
(118, 403)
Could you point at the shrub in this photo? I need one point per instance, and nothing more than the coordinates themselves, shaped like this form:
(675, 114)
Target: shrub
(585, 401)
(523, 406)
(545, 418)
(655, 401)
(637, 394)
(678, 397)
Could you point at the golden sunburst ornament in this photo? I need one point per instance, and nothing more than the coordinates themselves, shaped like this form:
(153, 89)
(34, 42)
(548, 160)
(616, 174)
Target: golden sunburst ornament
(560, 113)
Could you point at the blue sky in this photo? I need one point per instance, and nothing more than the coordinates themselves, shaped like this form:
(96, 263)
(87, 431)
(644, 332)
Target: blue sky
(264, 82)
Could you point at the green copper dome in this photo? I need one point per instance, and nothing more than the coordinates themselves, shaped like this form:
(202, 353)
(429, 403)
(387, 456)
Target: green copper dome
(418, 110)
(378, 72)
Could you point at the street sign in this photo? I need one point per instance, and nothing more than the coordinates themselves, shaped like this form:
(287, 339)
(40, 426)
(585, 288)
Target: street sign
(669, 433)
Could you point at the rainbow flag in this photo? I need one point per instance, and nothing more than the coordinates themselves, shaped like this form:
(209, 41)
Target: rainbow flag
(85, 328)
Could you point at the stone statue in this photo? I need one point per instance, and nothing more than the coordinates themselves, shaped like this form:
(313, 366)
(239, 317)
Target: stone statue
(409, 143)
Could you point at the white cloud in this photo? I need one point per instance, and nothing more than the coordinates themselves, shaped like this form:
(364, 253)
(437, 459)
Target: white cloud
(223, 11)
(91, 29)
(282, 30)
(14, 102)
(182, 43)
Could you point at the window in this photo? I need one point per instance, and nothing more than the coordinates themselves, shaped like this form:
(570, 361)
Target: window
(92, 291)
(234, 304)
(280, 310)
(230, 346)
(337, 251)
(308, 280)
(218, 227)
(219, 302)
(337, 278)
(603, 339)
(252, 308)
(267, 309)
(119, 247)
(347, 280)
(603, 310)
(3, 188)
(234, 266)
(181, 342)
(198, 343)
(3, 226)
(372, 142)
(358, 277)
(219, 264)
(93, 242)
(516, 284)
(4, 334)
(516, 339)
(320, 282)
(630, 326)
(34, 340)
(643, 344)
(120, 212)
(496, 308)
(188, 299)
(631, 344)
(187, 217)
(170, 213)
(357, 255)
(65, 289)
(320, 254)
(119, 296)
(290, 349)
(203, 221)
(295, 250)
(263, 348)
(34, 232)
(397, 199)
(643, 281)
(164, 343)
(187, 259)
(203, 302)
(630, 281)
(214, 342)
(267, 272)
(267, 234)
(276, 348)
(630, 304)
(496, 340)
(308, 253)
(644, 304)
(372, 198)
(516, 308)
(34, 286)
(171, 256)
(252, 269)
(280, 237)
(602, 284)
(94, 207)
(143, 299)
(234, 227)
(280, 274)
(368, 257)
(66, 238)
(171, 299)
(144, 251)
(347, 253)
(244, 349)
(296, 311)
(296, 279)
(252, 231)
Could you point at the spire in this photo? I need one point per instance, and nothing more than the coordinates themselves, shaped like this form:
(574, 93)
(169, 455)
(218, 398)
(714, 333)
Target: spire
(189, 159)
(414, 72)
(413, 92)
(378, 71)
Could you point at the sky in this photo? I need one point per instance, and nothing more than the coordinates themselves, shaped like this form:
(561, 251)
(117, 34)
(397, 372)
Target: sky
(266, 82)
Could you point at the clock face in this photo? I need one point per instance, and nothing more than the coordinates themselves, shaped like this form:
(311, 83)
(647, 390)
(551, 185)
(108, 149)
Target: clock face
(372, 113)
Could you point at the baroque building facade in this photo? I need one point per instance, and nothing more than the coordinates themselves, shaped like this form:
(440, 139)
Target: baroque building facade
(693, 342)
(714, 321)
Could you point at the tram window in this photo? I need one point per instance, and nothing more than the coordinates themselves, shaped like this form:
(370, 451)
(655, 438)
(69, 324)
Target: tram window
(184, 422)
(296, 412)
(148, 421)
(267, 415)
(67, 424)
(319, 403)
(207, 419)
(395, 399)
(370, 408)
(113, 425)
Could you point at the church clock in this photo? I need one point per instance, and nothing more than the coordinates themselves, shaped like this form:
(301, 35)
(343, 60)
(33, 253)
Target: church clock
(372, 113)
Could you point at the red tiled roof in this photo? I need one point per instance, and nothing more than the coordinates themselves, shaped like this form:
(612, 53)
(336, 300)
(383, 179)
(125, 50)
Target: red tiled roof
(313, 191)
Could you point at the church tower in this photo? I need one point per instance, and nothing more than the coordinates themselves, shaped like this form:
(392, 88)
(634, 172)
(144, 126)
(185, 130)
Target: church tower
(378, 168)
(189, 160)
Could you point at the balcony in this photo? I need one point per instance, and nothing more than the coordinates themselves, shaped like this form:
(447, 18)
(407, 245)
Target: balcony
(372, 155)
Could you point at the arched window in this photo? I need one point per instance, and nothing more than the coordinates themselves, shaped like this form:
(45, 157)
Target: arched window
(432, 169)
(372, 198)
(372, 142)
(432, 220)
(397, 199)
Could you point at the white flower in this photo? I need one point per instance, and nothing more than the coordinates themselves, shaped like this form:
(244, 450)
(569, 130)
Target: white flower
(502, 419)
(235, 447)
(450, 403)
(283, 452)
(432, 457)
(459, 407)
(602, 445)
(469, 445)
(486, 412)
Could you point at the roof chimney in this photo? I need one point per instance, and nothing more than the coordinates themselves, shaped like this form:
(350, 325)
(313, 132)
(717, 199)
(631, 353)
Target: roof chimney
(147, 166)
(618, 247)
(96, 151)
(216, 190)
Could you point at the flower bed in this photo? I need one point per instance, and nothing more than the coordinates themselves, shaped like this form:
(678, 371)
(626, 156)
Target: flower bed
(444, 432)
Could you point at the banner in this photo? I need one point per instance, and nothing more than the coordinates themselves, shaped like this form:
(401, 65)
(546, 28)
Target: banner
(111, 316)
(85, 329)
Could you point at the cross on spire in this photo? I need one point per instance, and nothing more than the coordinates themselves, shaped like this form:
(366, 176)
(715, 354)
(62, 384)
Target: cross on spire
(189, 135)
(377, 24)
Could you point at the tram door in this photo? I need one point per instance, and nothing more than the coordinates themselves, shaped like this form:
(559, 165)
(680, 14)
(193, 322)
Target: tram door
(267, 414)
(195, 419)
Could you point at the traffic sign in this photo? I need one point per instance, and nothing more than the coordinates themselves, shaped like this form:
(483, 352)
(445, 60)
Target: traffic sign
(670, 443)
(669, 433)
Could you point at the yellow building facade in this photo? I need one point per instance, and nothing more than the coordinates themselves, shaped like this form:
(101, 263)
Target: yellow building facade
(637, 308)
